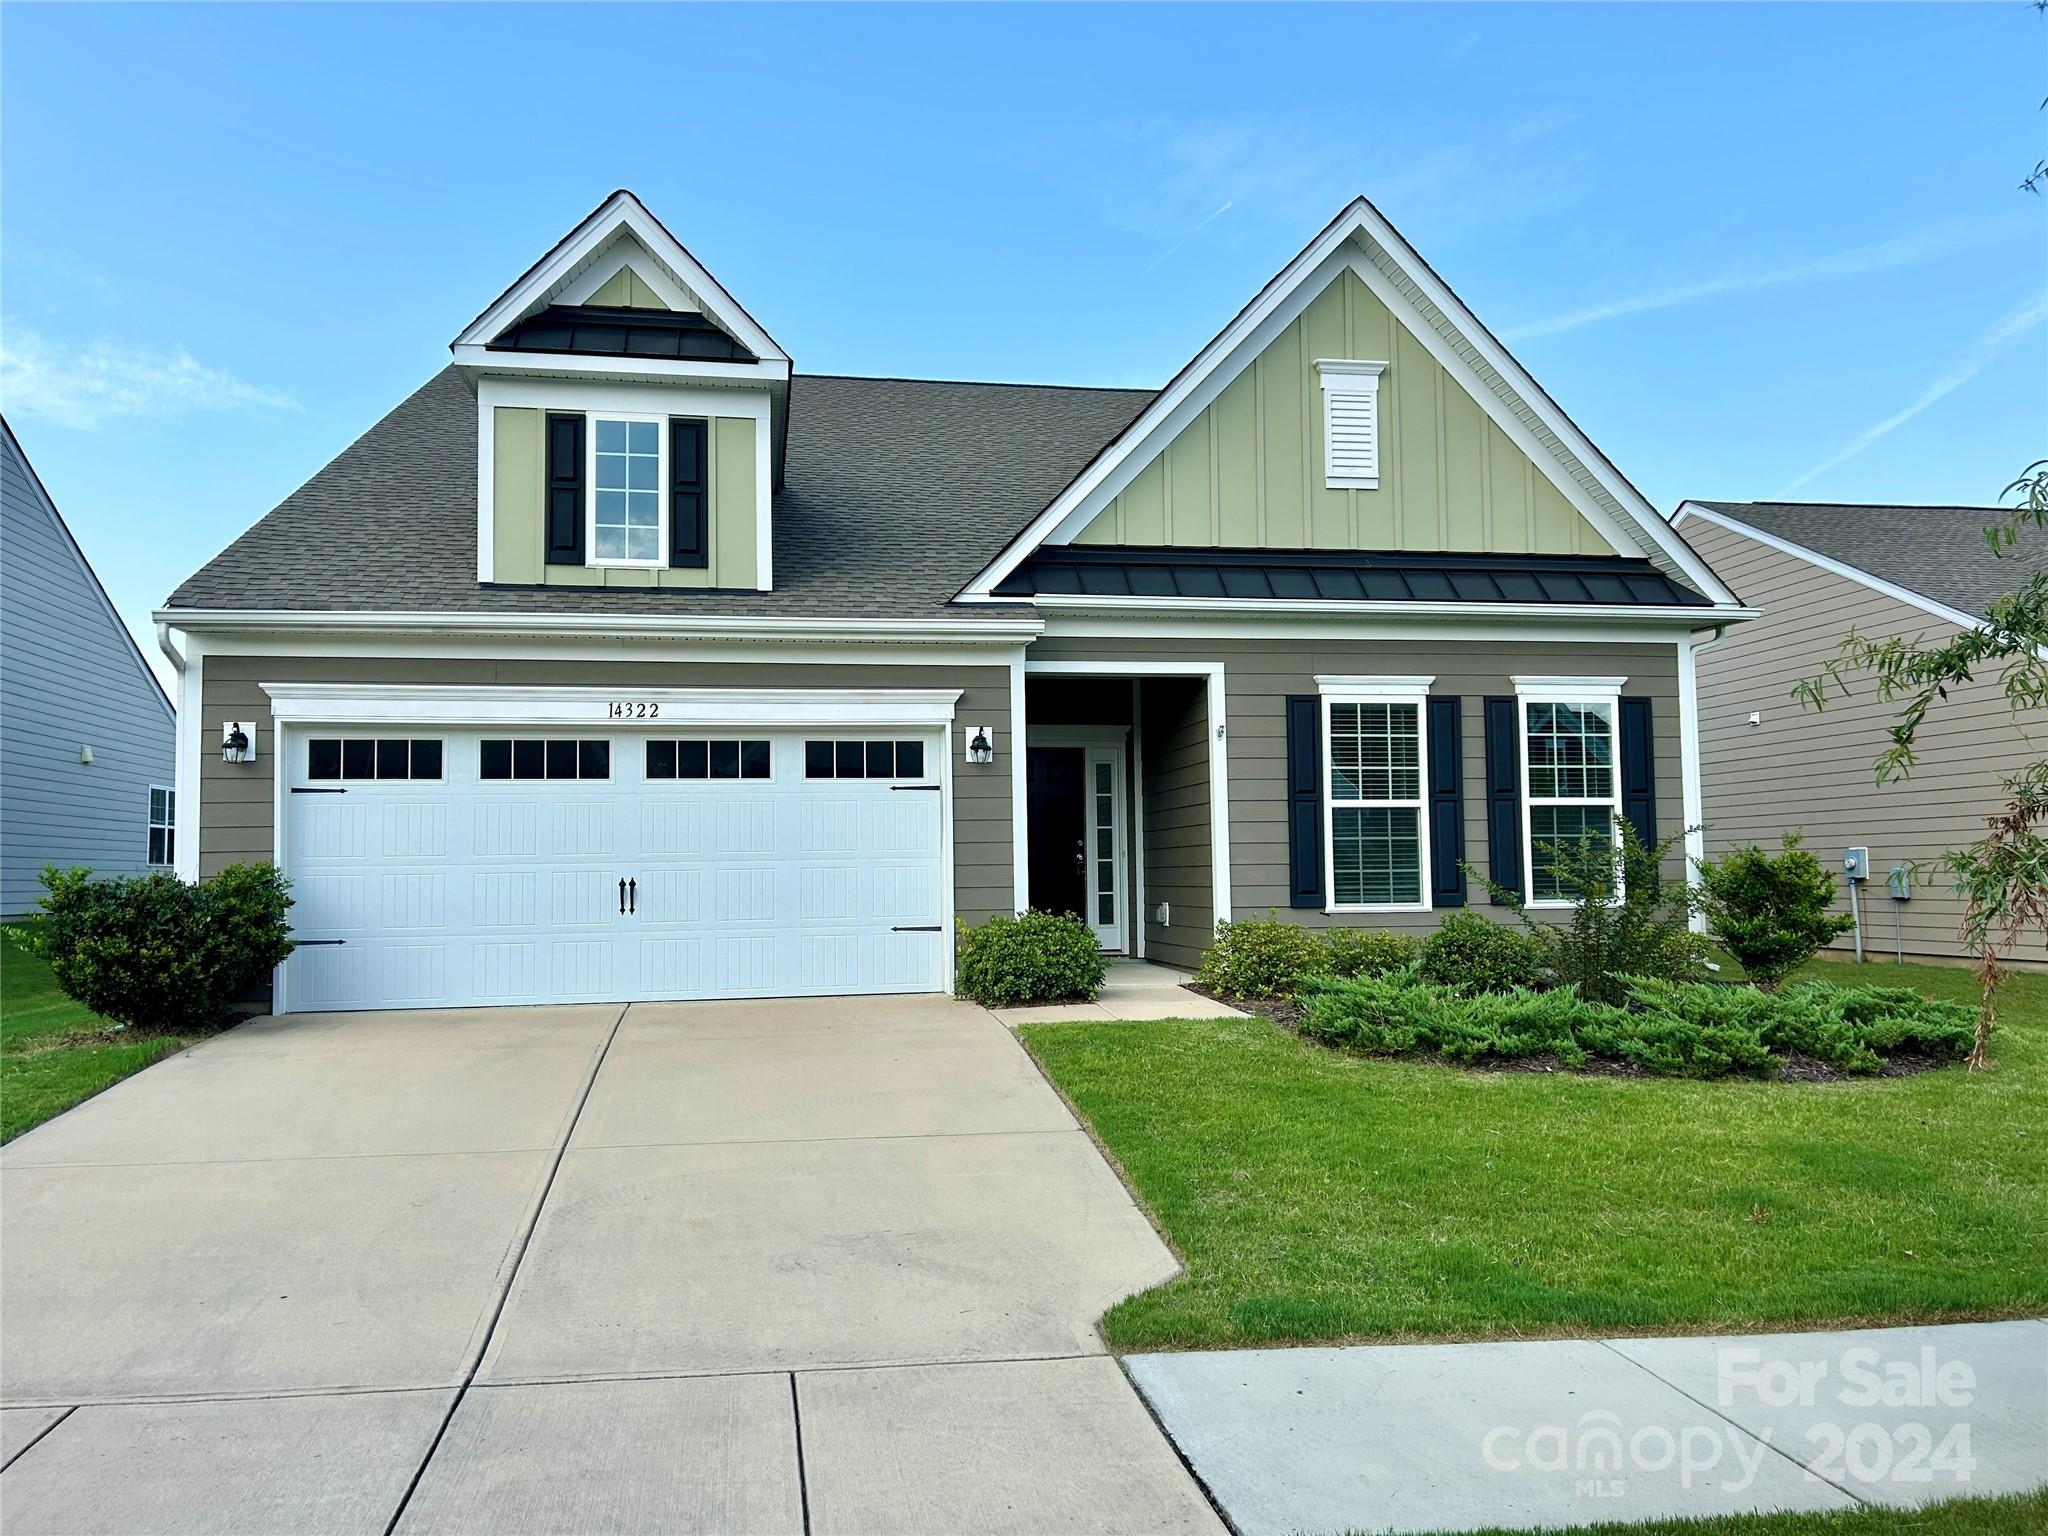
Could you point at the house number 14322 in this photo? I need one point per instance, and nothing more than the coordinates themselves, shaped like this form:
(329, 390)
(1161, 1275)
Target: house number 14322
(626, 710)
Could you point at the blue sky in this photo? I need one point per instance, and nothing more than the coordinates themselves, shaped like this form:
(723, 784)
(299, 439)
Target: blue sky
(1756, 251)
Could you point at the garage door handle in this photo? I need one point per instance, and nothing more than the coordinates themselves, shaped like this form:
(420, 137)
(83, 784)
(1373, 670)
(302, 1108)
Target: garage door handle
(632, 895)
(926, 928)
(622, 898)
(932, 787)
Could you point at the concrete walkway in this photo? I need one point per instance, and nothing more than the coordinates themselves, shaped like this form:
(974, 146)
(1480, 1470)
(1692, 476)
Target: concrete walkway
(830, 1265)
(1456, 1437)
(1133, 989)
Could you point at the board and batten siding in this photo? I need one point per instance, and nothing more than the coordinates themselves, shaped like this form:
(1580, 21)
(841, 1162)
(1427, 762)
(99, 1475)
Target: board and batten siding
(1247, 473)
(72, 678)
(1814, 772)
(518, 482)
(237, 808)
(1259, 674)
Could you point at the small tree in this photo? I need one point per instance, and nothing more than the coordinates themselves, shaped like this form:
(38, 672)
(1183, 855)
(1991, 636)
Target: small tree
(2003, 877)
(1771, 912)
(1624, 920)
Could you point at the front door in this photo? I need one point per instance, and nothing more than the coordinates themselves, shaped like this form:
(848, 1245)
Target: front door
(1077, 847)
(1059, 830)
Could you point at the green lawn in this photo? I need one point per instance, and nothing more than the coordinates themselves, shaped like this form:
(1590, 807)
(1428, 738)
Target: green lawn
(1320, 1196)
(2020, 1515)
(48, 1062)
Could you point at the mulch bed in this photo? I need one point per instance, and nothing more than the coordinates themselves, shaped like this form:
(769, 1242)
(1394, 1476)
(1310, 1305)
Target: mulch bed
(1794, 1069)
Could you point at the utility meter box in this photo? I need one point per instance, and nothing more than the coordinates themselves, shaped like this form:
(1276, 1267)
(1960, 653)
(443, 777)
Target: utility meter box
(1898, 883)
(1856, 863)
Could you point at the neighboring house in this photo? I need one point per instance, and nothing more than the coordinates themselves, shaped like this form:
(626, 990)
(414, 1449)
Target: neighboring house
(1769, 765)
(86, 734)
(622, 661)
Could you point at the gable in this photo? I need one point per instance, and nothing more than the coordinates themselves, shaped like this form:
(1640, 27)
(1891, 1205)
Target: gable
(627, 289)
(1247, 472)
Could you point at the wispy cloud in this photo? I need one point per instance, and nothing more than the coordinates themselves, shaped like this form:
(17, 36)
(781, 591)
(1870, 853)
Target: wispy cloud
(82, 388)
(1184, 239)
(1880, 256)
(1536, 127)
(1460, 45)
(2010, 330)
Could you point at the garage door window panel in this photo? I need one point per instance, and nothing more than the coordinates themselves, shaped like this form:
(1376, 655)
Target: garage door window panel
(713, 759)
(543, 758)
(864, 760)
(363, 759)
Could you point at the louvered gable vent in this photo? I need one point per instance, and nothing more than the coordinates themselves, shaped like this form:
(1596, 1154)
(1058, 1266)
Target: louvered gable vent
(1351, 423)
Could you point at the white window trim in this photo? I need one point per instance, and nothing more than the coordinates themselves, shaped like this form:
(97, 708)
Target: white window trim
(591, 558)
(169, 827)
(1377, 690)
(1343, 378)
(1604, 691)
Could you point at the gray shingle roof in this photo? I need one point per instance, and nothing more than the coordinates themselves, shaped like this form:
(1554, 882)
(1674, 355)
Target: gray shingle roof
(1938, 552)
(898, 491)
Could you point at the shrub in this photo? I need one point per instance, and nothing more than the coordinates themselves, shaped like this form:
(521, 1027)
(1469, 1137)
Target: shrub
(155, 954)
(1259, 957)
(1475, 955)
(1366, 952)
(1041, 957)
(1624, 919)
(1675, 1029)
(1771, 911)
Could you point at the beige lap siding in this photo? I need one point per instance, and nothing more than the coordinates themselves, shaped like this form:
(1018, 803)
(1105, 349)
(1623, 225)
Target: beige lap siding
(236, 805)
(1797, 770)
(1176, 820)
(1260, 674)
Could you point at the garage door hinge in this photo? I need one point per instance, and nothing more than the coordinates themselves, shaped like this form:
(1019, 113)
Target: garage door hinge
(299, 789)
(315, 943)
(927, 928)
(932, 787)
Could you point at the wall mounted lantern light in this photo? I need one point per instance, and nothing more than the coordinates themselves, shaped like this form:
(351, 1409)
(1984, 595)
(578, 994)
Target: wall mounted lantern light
(980, 743)
(238, 741)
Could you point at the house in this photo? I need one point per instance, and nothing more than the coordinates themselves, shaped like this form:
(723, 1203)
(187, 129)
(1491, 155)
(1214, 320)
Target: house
(1770, 765)
(622, 660)
(86, 732)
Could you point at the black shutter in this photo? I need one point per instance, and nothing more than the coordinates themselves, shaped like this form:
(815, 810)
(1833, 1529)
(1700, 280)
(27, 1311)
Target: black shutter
(1504, 793)
(1305, 799)
(564, 498)
(689, 541)
(1638, 770)
(1446, 801)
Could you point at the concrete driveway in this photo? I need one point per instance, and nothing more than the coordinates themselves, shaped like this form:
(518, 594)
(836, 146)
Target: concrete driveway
(826, 1265)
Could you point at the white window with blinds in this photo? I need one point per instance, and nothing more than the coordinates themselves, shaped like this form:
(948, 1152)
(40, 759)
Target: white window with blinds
(1571, 781)
(1376, 767)
(1351, 423)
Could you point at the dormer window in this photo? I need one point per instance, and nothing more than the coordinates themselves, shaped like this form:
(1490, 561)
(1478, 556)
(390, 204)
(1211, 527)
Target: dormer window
(626, 521)
(1351, 423)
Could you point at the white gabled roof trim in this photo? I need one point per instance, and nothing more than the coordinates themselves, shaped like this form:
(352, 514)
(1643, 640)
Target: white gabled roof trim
(1362, 239)
(998, 632)
(1891, 589)
(621, 212)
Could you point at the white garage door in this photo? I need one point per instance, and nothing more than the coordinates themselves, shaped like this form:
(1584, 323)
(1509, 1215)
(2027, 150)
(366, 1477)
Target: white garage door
(511, 866)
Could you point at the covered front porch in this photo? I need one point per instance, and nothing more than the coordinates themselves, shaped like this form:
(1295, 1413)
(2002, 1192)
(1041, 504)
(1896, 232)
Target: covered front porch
(1123, 797)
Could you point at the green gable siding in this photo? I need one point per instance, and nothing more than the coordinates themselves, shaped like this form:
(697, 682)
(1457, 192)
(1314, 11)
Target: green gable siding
(1248, 471)
(626, 289)
(517, 485)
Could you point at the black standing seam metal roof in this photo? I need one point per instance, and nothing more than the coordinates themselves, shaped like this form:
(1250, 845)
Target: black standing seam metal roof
(1345, 576)
(605, 330)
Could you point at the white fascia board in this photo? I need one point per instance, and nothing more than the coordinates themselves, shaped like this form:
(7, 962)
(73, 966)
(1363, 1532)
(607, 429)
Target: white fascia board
(1005, 633)
(1277, 304)
(1893, 590)
(482, 362)
(1313, 627)
(457, 704)
(621, 211)
(1568, 688)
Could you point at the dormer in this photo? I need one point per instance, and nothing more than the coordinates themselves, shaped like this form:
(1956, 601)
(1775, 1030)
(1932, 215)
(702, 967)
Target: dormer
(630, 417)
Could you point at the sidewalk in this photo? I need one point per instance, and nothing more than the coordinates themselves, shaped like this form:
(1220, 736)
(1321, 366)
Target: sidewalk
(1454, 1437)
(1133, 989)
